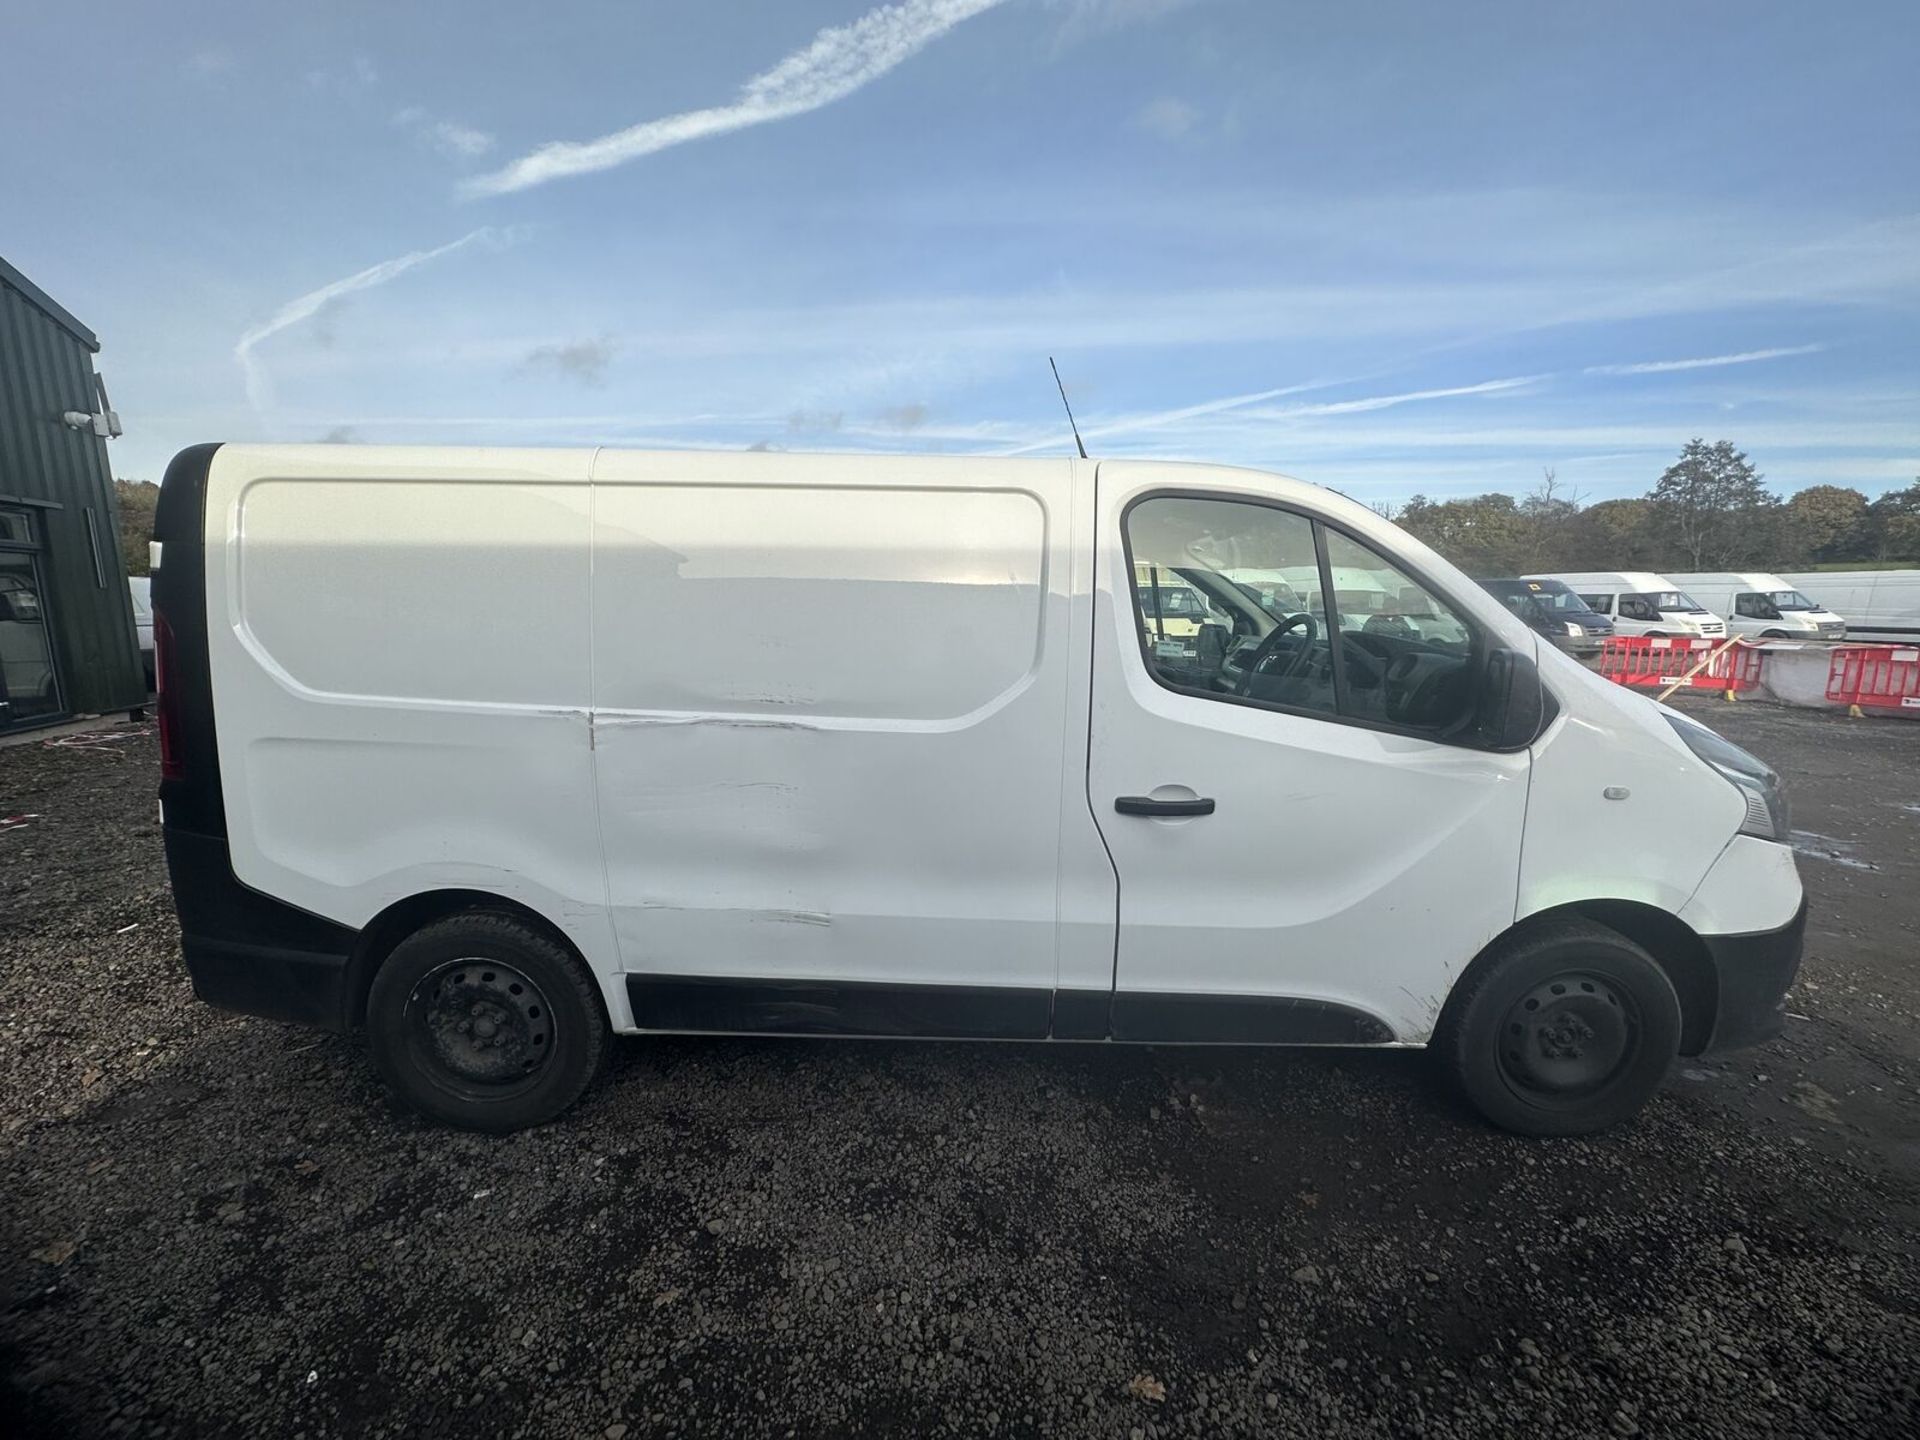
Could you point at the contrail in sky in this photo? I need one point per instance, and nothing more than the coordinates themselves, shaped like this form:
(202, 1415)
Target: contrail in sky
(841, 59)
(259, 391)
(1745, 357)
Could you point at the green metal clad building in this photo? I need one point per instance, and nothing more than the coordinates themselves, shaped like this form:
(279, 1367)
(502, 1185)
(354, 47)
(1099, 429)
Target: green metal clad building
(67, 633)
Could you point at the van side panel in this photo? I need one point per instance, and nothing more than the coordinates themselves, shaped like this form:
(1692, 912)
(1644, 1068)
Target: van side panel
(398, 652)
(1877, 605)
(828, 700)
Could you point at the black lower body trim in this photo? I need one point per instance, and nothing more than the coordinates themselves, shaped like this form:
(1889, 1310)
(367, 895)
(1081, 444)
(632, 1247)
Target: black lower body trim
(1752, 974)
(249, 952)
(1081, 1014)
(837, 1007)
(1242, 1020)
(726, 1005)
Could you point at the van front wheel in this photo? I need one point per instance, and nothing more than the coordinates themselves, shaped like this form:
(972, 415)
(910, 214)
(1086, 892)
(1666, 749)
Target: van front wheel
(1567, 1029)
(485, 1022)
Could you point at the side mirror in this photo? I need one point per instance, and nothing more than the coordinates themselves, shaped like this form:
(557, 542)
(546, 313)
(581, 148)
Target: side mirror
(1514, 706)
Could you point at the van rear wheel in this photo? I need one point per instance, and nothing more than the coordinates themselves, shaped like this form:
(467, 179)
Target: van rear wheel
(1567, 1029)
(485, 1022)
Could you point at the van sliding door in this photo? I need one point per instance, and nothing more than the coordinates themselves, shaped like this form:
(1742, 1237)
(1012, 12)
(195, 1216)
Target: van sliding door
(827, 715)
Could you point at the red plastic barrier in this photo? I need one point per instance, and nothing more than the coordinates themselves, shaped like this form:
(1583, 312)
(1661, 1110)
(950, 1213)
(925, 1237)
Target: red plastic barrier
(1875, 677)
(1657, 663)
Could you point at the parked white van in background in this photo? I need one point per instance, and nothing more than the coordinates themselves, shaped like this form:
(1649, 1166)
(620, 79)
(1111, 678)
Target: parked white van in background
(1755, 603)
(1875, 604)
(1641, 603)
(424, 773)
(139, 594)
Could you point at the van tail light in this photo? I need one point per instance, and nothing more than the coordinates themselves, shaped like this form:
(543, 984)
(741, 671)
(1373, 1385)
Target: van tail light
(166, 705)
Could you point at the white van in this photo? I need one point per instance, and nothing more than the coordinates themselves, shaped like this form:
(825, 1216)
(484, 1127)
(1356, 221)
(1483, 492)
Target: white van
(1879, 605)
(499, 752)
(1642, 603)
(1755, 603)
(139, 594)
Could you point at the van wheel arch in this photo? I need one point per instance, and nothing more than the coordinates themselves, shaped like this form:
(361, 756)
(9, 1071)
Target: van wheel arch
(1672, 943)
(406, 917)
(1773, 635)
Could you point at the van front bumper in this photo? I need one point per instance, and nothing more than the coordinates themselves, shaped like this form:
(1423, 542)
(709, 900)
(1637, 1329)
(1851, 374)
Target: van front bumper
(1582, 646)
(1752, 974)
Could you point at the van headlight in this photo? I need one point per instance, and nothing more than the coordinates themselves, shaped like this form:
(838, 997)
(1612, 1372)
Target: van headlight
(1749, 774)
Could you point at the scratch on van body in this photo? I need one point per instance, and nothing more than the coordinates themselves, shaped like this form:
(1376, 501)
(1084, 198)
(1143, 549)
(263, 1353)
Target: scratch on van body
(1428, 1005)
(795, 917)
(732, 722)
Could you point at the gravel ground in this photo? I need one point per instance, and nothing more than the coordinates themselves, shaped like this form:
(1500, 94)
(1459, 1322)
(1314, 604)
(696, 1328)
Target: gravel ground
(215, 1226)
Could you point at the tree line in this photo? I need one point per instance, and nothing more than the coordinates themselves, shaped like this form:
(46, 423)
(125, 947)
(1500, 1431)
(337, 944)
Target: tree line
(136, 500)
(1710, 510)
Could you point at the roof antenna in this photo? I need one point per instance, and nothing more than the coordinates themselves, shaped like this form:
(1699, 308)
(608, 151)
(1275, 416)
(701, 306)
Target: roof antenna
(1081, 444)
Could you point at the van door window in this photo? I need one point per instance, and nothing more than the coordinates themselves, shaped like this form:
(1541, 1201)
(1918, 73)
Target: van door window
(1227, 600)
(1635, 607)
(1755, 607)
(1407, 657)
(1386, 652)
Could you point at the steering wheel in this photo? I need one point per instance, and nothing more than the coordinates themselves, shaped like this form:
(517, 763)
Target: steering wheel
(1264, 651)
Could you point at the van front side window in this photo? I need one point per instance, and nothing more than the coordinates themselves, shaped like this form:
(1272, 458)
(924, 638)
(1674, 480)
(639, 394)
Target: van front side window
(1408, 659)
(1253, 572)
(1384, 651)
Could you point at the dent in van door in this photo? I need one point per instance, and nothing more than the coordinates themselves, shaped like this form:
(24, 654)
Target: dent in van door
(827, 743)
(1357, 857)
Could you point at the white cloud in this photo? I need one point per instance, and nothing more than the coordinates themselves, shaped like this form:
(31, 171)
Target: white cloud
(460, 140)
(449, 137)
(840, 60)
(305, 307)
(1662, 367)
(1162, 419)
(1386, 402)
(1168, 118)
(1182, 419)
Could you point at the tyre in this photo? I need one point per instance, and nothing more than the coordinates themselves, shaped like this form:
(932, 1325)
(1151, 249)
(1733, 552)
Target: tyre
(1566, 1029)
(486, 1022)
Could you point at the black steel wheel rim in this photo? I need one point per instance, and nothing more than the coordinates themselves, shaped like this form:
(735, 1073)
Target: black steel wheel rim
(480, 1027)
(1568, 1036)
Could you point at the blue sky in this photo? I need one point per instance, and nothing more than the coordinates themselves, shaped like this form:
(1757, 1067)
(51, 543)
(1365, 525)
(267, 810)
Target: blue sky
(1386, 245)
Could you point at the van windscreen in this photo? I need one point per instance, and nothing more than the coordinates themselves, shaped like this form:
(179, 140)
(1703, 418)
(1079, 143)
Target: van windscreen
(1675, 600)
(1560, 600)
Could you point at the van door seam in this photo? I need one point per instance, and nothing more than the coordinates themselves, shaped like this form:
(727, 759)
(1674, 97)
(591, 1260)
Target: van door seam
(1093, 810)
(593, 708)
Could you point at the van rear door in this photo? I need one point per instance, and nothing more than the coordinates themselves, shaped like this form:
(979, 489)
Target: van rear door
(1301, 858)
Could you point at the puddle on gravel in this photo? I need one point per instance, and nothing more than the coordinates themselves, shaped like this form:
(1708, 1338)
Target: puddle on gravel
(1825, 847)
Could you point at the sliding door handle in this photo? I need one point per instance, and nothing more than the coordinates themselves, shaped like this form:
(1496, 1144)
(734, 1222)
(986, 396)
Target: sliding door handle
(1147, 805)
